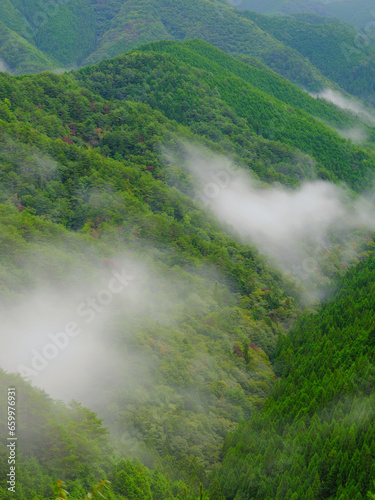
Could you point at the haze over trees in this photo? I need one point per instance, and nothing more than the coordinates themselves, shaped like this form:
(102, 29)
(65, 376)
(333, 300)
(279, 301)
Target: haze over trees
(202, 367)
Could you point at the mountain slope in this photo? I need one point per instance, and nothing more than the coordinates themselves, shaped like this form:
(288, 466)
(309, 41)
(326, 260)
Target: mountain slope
(272, 7)
(64, 31)
(69, 443)
(109, 29)
(323, 41)
(314, 438)
(83, 32)
(358, 12)
(69, 158)
(205, 56)
(18, 56)
(147, 76)
(92, 183)
(210, 21)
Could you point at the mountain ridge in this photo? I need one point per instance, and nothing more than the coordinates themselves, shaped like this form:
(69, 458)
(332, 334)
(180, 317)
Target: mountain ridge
(220, 371)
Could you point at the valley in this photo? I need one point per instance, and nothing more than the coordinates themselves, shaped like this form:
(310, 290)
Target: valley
(186, 252)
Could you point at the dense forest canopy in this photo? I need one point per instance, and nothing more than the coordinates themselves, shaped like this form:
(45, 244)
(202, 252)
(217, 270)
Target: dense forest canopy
(357, 12)
(163, 354)
(62, 35)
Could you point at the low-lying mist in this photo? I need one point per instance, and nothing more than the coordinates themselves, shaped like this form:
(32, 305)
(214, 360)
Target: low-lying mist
(143, 344)
(58, 334)
(349, 104)
(90, 334)
(297, 228)
(357, 134)
(3, 67)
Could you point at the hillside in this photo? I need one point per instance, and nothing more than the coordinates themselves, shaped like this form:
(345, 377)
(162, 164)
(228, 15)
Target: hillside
(148, 77)
(84, 185)
(280, 7)
(109, 29)
(70, 434)
(63, 31)
(121, 289)
(357, 12)
(210, 21)
(322, 41)
(83, 32)
(70, 442)
(19, 56)
(314, 438)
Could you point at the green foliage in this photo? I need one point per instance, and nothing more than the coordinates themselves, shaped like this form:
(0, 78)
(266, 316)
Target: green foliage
(35, 36)
(322, 41)
(356, 12)
(99, 491)
(57, 441)
(20, 56)
(83, 176)
(314, 438)
(86, 31)
(76, 188)
(65, 31)
(68, 441)
(202, 91)
(213, 22)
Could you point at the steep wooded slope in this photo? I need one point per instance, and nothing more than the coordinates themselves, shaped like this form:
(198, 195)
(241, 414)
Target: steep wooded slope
(182, 92)
(323, 41)
(84, 181)
(70, 158)
(315, 437)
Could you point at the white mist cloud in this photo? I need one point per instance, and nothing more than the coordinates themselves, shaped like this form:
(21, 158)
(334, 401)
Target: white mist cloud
(61, 71)
(30, 161)
(276, 219)
(3, 66)
(58, 336)
(343, 102)
(76, 336)
(355, 134)
(286, 224)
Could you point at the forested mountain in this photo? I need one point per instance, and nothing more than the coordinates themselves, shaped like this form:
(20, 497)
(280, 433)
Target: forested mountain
(357, 12)
(315, 436)
(360, 13)
(111, 28)
(149, 77)
(204, 361)
(69, 441)
(81, 32)
(70, 158)
(20, 55)
(211, 21)
(282, 7)
(323, 40)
